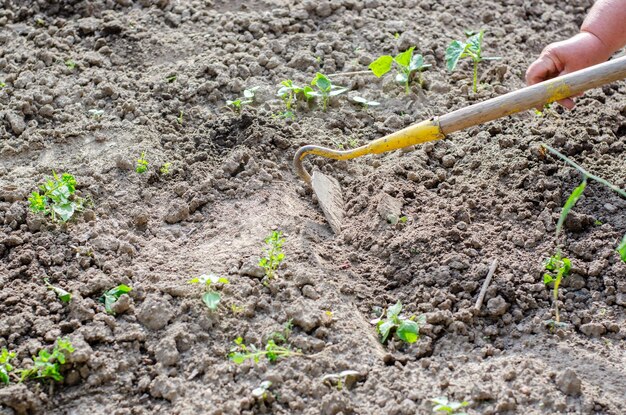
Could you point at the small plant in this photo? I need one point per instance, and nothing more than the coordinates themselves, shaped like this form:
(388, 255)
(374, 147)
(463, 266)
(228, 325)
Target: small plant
(236, 309)
(47, 365)
(325, 89)
(71, 65)
(171, 78)
(5, 366)
(239, 103)
(560, 267)
(261, 391)
(142, 164)
(112, 295)
(40, 22)
(289, 92)
(406, 329)
(2, 84)
(403, 219)
(442, 404)
(165, 168)
(407, 65)
(471, 48)
(96, 113)
(63, 295)
(211, 298)
(58, 199)
(273, 254)
(272, 352)
(621, 249)
(179, 120)
(346, 378)
(366, 103)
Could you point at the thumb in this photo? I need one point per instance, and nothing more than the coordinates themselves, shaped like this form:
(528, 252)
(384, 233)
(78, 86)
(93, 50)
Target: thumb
(541, 69)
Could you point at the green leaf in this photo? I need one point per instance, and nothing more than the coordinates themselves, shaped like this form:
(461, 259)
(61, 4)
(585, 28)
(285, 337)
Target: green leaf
(322, 82)
(621, 249)
(404, 59)
(112, 295)
(394, 310)
(569, 204)
(338, 91)
(63, 295)
(384, 328)
(474, 43)
(211, 299)
(417, 63)
(402, 78)
(453, 54)
(408, 331)
(65, 211)
(381, 65)
(547, 278)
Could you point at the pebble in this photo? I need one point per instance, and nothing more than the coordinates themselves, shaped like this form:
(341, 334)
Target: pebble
(166, 352)
(177, 212)
(497, 306)
(155, 312)
(251, 269)
(569, 383)
(593, 329)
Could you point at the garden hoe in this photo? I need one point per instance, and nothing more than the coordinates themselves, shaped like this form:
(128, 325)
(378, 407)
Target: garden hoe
(327, 188)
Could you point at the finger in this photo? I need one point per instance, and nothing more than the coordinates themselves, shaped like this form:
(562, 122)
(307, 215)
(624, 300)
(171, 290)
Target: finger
(540, 70)
(567, 103)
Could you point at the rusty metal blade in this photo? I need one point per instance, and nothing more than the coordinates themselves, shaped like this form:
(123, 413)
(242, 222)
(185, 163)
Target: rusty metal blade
(329, 197)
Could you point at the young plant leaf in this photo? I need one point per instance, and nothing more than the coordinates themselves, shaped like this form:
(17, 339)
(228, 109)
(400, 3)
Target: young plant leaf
(408, 331)
(569, 204)
(63, 295)
(381, 65)
(394, 310)
(112, 295)
(454, 52)
(404, 58)
(211, 299)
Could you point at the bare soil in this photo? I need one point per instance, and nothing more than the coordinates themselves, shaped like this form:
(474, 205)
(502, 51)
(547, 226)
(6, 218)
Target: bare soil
(483, 194)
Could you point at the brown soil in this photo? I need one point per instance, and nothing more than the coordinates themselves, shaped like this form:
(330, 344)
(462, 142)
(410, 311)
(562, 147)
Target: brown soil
(482, 194)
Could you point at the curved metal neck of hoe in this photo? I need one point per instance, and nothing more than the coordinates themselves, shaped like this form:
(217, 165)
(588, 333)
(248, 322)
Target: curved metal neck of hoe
(419, 133)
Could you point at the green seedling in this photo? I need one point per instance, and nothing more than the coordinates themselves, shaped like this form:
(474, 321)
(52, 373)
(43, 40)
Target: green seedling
(179, 119)
(171, 78)
(406, 329)
(71, 65)
(471, 48)
(165, 168)
(142, 164)
(96, 113)
(58, 198)
(407, 65)
(347, 378)
(47, 365)
(273, 255)
(211, 298)
(272, 352)
(621, 249)
(289, 92)
(325, 89)
(444, 405)
(236, 309)
(558, 268)
(403, 219)
(112, 295)
(281, 337)
(5, 366)
(2, 84)
(40, 22)
(262, 390)
(366, 103)
(63, 295)
(239, 103)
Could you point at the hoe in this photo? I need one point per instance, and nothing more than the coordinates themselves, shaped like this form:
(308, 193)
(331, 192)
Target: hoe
(327, 188)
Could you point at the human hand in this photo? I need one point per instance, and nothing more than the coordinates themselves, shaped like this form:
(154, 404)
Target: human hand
(567, 56)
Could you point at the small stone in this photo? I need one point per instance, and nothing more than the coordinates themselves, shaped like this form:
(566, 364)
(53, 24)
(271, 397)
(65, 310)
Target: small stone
(122, 304)
(610, 208)
(16, 121)
(569, 383)
(88, 25)
(178, 212)
(166, 352)
(164, 387)
(448, 161)
(389, 208)
(155, 312)
(82, 350)
(309, 291)
(252, 269)
(593, 329)
(620, 299)
(497, 306)
(304, 315)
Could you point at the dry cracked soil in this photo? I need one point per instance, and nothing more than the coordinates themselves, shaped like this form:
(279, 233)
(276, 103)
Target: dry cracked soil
(91, 85)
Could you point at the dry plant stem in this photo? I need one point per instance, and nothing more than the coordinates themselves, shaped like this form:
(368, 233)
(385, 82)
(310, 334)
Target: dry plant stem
(483, 290)
(584, 172)
(349, 73)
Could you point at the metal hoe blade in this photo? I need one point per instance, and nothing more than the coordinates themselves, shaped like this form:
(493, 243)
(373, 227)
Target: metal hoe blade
(328, 194)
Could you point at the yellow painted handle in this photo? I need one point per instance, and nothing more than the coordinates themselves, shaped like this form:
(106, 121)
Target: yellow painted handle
(422, 132)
